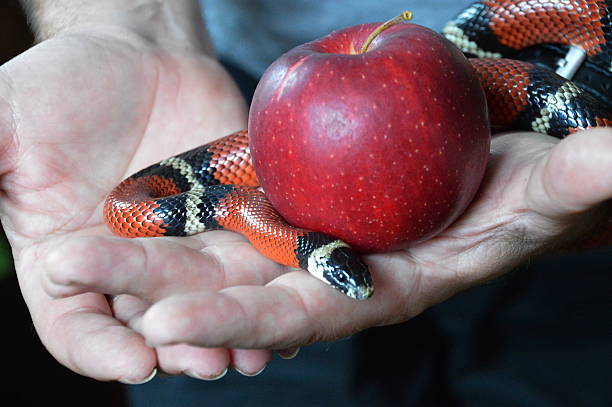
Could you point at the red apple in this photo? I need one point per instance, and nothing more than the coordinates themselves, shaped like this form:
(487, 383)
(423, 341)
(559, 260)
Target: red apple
(381, 149)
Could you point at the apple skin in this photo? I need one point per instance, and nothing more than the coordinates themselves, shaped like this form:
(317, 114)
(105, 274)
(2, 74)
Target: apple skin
(382, 149)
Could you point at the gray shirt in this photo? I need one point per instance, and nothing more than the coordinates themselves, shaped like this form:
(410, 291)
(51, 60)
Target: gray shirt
(253, 33)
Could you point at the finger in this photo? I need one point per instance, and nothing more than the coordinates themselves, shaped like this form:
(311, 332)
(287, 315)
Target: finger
(249, 362)
(575, 176)
(293, 310)
(80, 333)
(290, 353)
(128, 309)
(199, 363)
(151, 268)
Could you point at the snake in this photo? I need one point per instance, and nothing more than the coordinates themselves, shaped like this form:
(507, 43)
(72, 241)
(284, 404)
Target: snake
(514, 45)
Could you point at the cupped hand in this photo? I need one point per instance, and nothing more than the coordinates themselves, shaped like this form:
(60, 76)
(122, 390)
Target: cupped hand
(78, 113)
(538, 194)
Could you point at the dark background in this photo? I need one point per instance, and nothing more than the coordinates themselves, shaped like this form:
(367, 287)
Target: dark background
(31, 376)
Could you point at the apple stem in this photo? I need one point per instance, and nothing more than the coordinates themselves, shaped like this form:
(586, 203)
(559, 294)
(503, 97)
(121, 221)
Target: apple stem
(405, 16)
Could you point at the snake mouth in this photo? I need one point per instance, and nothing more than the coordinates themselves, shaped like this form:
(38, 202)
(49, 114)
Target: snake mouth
(342, 268)
(362, 292)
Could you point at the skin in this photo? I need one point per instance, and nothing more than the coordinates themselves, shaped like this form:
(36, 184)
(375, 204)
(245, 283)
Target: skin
(90, 105)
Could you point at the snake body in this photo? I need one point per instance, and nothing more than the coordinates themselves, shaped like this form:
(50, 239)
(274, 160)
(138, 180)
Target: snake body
(214, 186)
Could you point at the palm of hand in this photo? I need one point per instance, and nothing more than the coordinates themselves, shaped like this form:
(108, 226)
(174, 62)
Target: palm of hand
(76, 132)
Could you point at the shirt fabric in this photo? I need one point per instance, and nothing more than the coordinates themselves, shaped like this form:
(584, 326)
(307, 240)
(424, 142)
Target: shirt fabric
(253, 33)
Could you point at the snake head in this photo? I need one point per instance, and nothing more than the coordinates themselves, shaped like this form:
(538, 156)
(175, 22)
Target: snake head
(339, 266)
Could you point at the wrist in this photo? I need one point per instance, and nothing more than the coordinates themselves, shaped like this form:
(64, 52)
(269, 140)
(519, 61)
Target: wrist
(173, 24)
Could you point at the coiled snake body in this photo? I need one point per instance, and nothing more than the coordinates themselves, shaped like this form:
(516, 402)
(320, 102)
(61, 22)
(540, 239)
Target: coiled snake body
(215, 187)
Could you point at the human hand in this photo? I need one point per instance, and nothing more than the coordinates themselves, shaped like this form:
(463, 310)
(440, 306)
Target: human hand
(539, 193)
(78, 113)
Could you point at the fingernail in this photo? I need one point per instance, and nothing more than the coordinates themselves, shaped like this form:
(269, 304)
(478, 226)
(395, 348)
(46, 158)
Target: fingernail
(289, 354)
(250, 374)
(143, 381)
(196, 375)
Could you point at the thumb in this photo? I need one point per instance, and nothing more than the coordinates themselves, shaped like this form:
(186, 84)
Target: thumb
(574, 177)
